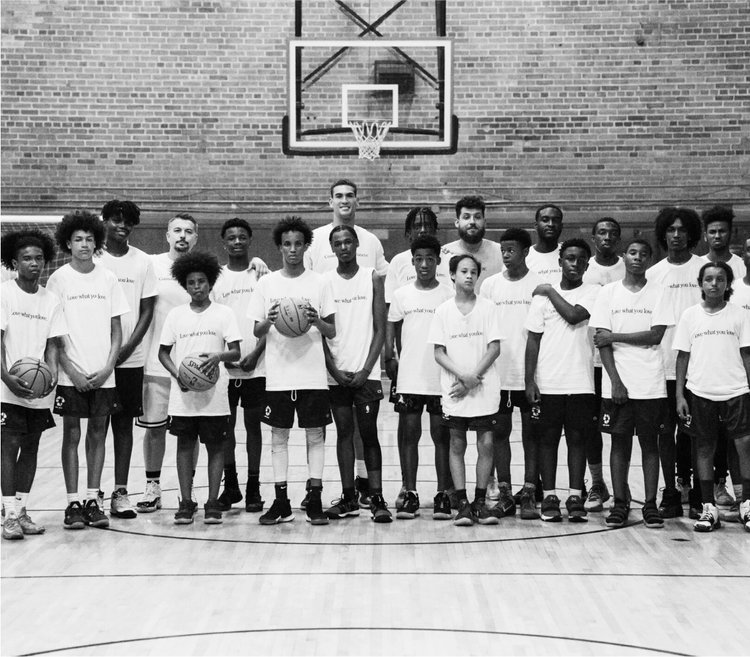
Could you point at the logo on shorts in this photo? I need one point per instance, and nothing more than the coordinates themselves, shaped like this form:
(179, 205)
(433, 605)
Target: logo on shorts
(59, 402)
(268, 411)
(3, 417)
(536, 412)
(606, 419)
(367, 408)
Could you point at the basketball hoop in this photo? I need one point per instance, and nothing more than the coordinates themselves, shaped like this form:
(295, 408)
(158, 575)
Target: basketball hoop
(369, 136)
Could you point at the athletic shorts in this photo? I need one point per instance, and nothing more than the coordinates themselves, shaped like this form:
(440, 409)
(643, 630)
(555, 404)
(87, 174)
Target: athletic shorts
(209, 429)
(674, 419)
(129, 384)
(19, 419)
(511, 398)
(709, 417)
(155, 401)
(598, 383)
(406, 403)
(572, 412)
(481, 423)
(312, 407)
(92, 403)
(641, 417)
(370, 391)
(251, 392)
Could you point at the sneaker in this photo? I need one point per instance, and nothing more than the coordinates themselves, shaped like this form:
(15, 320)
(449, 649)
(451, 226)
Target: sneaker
(93, 515)
(732, 514)
(576, 510)
(185, 512)
(151, 499)
(230, 495)
(598, 495)
(212, 512)
(314, 511)
(721, 494)
(441, 507)
(28, 526)
(551, 509)
(618, 515)
(12, 530)
(120, 505)
(464, 517)
(695, 505)
(400, 498)
(379, 509)
(481, 513)
(745, 515)
(306, 499)
(363, 488)
(684, 488)
(280, 511)
(343, 508)
(527, 503)
(709, 519)
(74, 516)
(453, 497)
(493, 489)
(410, 508)
(671, 503)
(253, 501)
(651, 517)
(505, 500)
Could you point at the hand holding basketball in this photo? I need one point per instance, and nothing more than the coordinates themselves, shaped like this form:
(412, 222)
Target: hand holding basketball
(33, 378)
(292, 317)
(197, 373)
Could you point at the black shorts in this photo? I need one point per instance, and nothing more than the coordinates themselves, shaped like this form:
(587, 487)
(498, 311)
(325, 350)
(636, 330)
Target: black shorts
(92, 403)
(710, 417)
(641, 417)
(251, 392)
(481, 423)
(406, 403)
(129, 385)
(210, 429)
(19, 419)
(511, 398)
(598, 382)
(370, 391)
(312, 406)
(572, 412)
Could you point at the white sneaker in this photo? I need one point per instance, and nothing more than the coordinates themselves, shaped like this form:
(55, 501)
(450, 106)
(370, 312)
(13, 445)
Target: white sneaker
(745, 515)
(721, 494)
(401, 498)
(151, 499)
(493, 489)
(120, 505)
(709, 519)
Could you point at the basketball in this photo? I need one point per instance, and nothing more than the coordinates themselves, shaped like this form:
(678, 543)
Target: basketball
(192, 377)
(292, 320)
(35, 373)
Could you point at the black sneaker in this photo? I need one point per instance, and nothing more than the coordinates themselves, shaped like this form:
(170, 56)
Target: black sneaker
(551, 509)
(185, 512)
(363, 488)
(343, 508)
(576, 510)
(671, 503)
(379, 509)
(528, 504)
(481, 513)
(695, 505)
(230, 495)
(441, 507)
(253, 501)
(306, 499)
(651, 517)
(74, 516)
(93, 515)
(464, 517)
(212, 512)
(280, 511)
(314, 511)
(410, 509)
(618, 515)
(506, 505)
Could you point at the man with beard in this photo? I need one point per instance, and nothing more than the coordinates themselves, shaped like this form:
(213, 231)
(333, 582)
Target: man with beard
(472, 225)
(543, 258)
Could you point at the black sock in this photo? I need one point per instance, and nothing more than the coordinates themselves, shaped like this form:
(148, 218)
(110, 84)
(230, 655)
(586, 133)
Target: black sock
(315, 492)
(480, 493)
(461, 494)
(707, 491)
(153, 475)
(745, 489)
(350, 493)
(253, 481)
(281, 491)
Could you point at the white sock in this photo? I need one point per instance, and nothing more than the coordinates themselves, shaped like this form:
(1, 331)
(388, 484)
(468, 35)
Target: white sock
(737, 489)
(359, 466)
(119, 486)
(92, 493)
(73, 497)
(279, 453)
(9, 502)
(575, 491)
(21, 501)
(316, 452)
(547, 493)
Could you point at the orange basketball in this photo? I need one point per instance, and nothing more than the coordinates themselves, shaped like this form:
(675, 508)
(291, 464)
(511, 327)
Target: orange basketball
(192, 377)
(35, 373)
(292, 320)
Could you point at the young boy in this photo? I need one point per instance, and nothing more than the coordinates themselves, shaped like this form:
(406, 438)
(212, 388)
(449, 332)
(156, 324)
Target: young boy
(296, 378)
(32, 323)
(247, 378)
(511, 291)
(353, 362)
(630, 322)
(209, 329)
(710, 333)
(92, 301)
(417, 375)
(467, 337)
(559, 376)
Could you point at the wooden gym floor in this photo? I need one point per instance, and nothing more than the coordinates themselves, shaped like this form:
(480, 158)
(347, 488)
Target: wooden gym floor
(419, 587)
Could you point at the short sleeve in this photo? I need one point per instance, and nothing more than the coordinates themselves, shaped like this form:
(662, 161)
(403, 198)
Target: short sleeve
(390, 283)
(327, 303)
(535, 319)
(436, 334)
(601, 317)
(493, 331)
(663, 314)
(381, 264)
(231, 328)
(119, 302)
(168, 336)
(4, 313)
(58, 325)
(588, 299)
(256, 308)
(744, 319)
(395, 311)
(150, 284)
(682, 341)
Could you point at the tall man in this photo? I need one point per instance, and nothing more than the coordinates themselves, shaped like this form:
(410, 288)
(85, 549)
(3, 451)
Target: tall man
(717, 232)
(543, 258)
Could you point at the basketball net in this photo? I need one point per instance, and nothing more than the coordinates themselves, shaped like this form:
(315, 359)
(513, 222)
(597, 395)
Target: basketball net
(369, 136)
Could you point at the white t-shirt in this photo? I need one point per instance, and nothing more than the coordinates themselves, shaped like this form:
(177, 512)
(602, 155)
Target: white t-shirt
(191, 332)
(736, 263)
(418, 372)
(234, 289)
(401, 272)
(619, 310)
(489, 254)
(293, 363)
(715, 370)
(135, 273)
(597, 274)
(465, 338)
(320, 257)
(89, 302)
(681, 290)
(170, 295)
(513, 300)
(741, 295)
(28, 321)
(565, 365)
(545, 265)
(354, 327)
